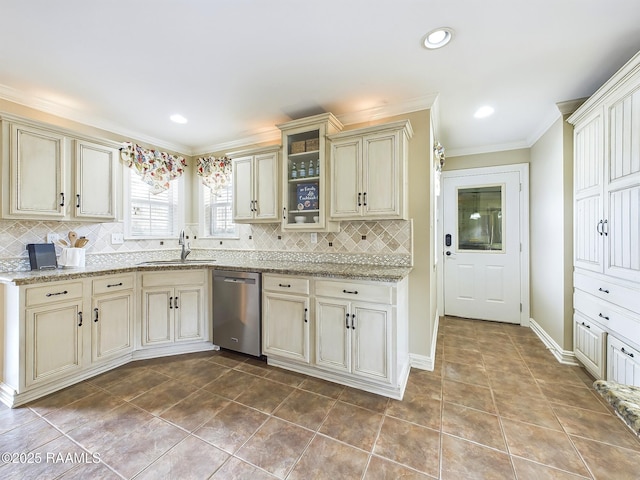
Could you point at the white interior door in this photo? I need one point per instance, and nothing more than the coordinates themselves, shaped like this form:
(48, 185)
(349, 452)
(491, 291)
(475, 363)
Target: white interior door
(481, 227)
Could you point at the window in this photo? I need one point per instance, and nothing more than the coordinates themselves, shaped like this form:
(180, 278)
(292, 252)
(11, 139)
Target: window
(148, 215)
(219, 212)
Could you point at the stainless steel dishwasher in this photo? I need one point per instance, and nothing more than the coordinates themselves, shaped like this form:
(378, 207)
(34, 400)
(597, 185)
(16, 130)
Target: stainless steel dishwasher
(236, 311)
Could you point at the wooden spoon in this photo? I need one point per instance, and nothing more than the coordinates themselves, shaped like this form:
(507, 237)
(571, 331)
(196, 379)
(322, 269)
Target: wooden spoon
(81, 242)
(73, 236)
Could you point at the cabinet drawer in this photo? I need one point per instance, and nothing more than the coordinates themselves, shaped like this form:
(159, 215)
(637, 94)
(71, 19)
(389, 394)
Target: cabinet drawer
(615, 320)
(623, 296)
(369, 292)
(112, 284)
(623, 362)
(52, 292)
(286, 284)
(589, 342)
(174, 277)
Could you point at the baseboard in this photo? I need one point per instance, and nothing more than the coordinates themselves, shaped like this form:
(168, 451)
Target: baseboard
(566, 357)
(424, 362)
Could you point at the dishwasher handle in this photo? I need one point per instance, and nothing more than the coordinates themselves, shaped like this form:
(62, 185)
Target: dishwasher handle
(248, 281)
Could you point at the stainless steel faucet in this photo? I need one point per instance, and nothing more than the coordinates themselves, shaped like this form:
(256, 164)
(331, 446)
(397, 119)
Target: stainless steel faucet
(186, 248)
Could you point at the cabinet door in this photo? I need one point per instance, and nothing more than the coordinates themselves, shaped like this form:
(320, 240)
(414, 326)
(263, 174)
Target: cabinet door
(333, 334)
(54, 341)
(266, 187)
(345, 166)
(589, 345)
(95, 169)
(157, 309)
(588, 174)
(622, 188)
(624, 363)
(112, 326)
(371, 332)
(37, 170)
(188, 312)
(286, 326)
(381, 185)
(243, 188)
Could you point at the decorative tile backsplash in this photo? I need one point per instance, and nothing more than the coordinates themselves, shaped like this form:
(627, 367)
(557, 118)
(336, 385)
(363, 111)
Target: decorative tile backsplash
(387, 238)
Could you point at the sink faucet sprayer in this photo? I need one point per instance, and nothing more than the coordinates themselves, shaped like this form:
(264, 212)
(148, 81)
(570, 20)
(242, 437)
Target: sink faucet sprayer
(186, 248)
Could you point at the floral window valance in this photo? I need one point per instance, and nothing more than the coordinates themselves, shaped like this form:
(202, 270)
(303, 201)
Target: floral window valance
(215, 172)
(155, 168)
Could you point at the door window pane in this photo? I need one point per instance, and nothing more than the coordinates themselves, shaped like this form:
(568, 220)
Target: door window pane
(480, 219)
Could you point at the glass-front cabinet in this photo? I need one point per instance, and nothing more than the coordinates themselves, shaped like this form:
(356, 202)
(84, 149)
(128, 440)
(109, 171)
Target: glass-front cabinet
(305, 172)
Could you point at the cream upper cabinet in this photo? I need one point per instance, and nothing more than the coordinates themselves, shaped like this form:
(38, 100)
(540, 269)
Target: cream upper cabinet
(95, 174)
(37, 168)
(304, 173)
(255, 185)
(368, 169)
(50, 174)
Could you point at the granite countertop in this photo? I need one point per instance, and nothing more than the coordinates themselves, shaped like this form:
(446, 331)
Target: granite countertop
(381, 273)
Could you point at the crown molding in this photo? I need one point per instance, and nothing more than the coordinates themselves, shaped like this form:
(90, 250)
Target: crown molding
(570, 106)
(502, 147)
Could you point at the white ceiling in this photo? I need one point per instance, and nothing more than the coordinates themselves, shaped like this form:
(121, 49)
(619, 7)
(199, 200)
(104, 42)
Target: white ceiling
(236, 68)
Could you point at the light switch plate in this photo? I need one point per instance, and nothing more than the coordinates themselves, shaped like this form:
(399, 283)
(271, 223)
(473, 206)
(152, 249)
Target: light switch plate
(314, 237)
(53, 237)
(117, 238)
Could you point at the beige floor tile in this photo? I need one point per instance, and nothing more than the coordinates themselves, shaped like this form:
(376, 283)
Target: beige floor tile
(322, 387)
(608, 461)
(409, 444)
(292, 379)
(530, 409)
(254, 367)
(364, 399)
(460, 372)
(265, 395)
(474, 425)
(164, 396)
(84, 410)
(550, 373)
(11, 418)
(231, 427)
(602, 427)
(93, 471)
(237, 469)
(417, 408)
(195, 410)
(328, 459)
(353, 425)
(383, 469)
(50, 403)
(543, 445)
(227, 359)
(468, 395)
(276, 447)
(573, 396)
(201, 372)
(527, 470)
(136, 384)
(190, 459)
(465, 460)
(231, 384)
(305, 409)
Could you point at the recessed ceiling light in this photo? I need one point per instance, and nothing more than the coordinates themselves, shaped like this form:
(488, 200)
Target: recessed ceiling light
(484, 112)
(178, 118)
(437, 38)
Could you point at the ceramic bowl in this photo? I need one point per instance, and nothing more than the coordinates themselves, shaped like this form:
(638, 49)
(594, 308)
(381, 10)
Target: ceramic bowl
(316, 219)
(300, 218)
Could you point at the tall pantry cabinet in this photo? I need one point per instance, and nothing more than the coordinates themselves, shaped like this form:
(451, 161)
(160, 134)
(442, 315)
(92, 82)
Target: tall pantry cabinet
(607, 228)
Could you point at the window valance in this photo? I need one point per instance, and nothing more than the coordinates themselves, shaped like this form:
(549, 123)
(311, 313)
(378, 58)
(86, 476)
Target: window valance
(155, 168)
(215, 172)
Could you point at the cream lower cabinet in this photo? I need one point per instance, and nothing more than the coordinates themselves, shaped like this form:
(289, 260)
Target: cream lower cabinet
(286, 314)
(589, 343)
(355, 333)
(624, 362)
(112, 317)
(173, 307)
(55, 327)
(354, 338)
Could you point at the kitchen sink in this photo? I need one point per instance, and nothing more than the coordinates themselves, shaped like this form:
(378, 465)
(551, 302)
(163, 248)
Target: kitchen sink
(188, 261)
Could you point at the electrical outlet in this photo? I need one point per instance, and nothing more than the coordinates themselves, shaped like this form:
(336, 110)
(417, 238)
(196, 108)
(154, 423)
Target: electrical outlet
(53, 237)
(314, 237)
(117, 238)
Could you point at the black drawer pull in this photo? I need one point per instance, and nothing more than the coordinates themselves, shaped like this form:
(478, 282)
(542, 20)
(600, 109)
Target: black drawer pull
(97, 316)
(627, 353)
(78, 201)
(603, 290)
(352, 292)
(353, 321)
(62, 199)
(585, 325)
(115, 285)
(284, 285)
(80, 318)
(347, 322)
(170, 302)
(57, 293)
(602, 316)
(305, 315)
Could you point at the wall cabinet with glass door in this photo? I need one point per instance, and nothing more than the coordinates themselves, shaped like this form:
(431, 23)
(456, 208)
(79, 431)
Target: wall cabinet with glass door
(304, 195)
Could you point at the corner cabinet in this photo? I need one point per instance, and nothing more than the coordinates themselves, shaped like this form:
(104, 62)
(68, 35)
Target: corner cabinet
(368, 171)
(304, 177)
(607, 225)
(256, 196)
(48, 173)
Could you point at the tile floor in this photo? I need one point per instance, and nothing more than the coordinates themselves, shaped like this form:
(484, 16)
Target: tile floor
(497, 406)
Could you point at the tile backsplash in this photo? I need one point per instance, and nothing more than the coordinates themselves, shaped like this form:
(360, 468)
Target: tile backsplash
(393, 237)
